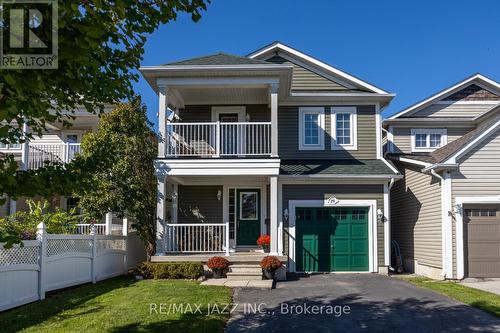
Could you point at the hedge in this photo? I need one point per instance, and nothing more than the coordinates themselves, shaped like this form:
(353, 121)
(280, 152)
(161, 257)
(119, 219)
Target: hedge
(170, 270)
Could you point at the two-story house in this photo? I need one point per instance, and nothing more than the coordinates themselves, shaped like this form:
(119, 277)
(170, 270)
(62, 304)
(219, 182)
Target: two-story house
(278, 143)
(446, 210)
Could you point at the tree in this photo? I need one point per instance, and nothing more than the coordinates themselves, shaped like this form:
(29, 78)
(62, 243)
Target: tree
(100, 46)
(117, 173)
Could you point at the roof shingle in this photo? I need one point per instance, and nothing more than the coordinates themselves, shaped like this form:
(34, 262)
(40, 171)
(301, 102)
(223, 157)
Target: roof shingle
(330, 167)
(219, 59)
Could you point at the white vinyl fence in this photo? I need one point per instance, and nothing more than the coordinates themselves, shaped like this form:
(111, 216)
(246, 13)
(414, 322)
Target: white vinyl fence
(57, 261)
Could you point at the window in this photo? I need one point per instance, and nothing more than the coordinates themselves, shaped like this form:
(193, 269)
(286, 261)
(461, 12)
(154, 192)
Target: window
(427, 139)
(248, 206)
(344, 128)
(311, 128)
(72, 203)
(483, 212)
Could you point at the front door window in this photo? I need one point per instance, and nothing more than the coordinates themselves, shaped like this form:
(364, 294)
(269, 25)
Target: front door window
(249, 205)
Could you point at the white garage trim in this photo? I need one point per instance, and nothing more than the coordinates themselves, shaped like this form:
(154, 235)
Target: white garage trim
(460, 243)
(372, 227)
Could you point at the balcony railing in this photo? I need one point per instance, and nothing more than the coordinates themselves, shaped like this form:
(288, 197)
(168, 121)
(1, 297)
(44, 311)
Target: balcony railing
(39, 154)
(218, 139)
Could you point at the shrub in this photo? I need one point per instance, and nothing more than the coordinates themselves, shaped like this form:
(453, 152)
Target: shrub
(264, 240)
(218, 263)
(270, 263)
(170, 270)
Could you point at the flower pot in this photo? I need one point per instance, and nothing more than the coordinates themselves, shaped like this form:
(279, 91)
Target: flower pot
(269, 273)
(265, 248)
(218, 273)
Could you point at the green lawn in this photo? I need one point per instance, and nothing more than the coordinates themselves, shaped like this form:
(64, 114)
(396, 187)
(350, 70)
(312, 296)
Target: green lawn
(483, 300)
(122, 305)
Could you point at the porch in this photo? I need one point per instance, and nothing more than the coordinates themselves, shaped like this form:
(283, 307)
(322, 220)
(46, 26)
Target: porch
(219, 215)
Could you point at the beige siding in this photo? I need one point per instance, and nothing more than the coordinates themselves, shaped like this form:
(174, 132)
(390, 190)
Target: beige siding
(304, 79)
(453, 110)
(317, 192)
(199, 204)
(402, 137)
(479, 171)
(288, 135)
(416, 216)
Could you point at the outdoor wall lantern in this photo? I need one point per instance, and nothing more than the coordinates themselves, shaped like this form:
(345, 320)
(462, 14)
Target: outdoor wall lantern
(285, 214)
(219, 195)
(247, 117)
(380, 215)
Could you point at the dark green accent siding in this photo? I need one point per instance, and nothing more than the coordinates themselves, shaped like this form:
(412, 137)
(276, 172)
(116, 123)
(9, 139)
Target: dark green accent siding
(288, 136)
(203, 113)
(332, 239)
(305, 80)
(317, 192)
(199, 204)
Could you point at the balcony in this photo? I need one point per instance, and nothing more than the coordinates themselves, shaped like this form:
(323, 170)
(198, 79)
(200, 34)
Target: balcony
(39, 154)
(238, 139)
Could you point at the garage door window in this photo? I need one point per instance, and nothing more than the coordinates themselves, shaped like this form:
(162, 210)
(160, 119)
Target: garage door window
(483, 212)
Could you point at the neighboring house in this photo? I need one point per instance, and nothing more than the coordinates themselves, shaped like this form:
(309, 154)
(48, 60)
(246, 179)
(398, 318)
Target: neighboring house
(278, 143)
(58, 143)
(446, 210)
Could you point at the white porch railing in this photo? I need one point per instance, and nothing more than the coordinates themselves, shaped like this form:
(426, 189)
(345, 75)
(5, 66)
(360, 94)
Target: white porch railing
(38, 154)
(219, 139)
(197, 238)
(86, 228)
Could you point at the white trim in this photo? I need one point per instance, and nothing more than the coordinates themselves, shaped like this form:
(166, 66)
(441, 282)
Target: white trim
(320, 111)
(278, 46)
(352, 111)
(446, 226)
(428, 131)
(387, 226)
(372, 227)
(390, 139)
(486, 102)
(378, 130)
(453, 159)
(448, 91)
(217, 167)
(217, 110)
(460, 241)
(414, 162)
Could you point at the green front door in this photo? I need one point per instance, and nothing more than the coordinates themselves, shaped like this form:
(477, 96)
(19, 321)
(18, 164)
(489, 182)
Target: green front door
(332, 239)
(248, 216)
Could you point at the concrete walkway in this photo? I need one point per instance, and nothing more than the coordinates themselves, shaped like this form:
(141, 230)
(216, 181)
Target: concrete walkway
(352, 303)
(492, 285)
(262, 284)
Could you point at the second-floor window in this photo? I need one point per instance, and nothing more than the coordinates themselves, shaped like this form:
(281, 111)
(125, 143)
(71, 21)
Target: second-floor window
(427, 139)
(311, 128)
(344, 128)
(13, 146)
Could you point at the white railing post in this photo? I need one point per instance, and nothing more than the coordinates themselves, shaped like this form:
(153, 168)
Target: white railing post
(41, 236)
(125, 227)
(94, 253)
(66, 155)
(109, 223)
(226, 236)
(217, 139)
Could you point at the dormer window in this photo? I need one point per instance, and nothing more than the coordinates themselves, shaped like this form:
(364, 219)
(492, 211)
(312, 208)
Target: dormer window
(427, 139)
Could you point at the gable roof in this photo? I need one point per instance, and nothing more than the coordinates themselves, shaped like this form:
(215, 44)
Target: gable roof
(277, 47)
(474, 79)
(219, 59)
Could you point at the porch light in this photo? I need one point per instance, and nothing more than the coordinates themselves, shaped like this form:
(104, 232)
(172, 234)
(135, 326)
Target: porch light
(219, 195)
(247, 117)
(285, 214)
(380, 215)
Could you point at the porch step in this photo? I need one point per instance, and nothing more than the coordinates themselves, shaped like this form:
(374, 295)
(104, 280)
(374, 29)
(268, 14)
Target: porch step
(245, 268)
(244, 276)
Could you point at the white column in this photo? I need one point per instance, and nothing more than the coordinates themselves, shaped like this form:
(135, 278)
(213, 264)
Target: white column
(447, 231)
(125, 226)
(109, 223)
(24, 149)
(280, 218)
(273, 90)
(160, 214)
(162, 119)
(387, 227)
(273, 201)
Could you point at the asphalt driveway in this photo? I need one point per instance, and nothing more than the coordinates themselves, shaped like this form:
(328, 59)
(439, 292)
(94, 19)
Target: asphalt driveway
(353, 303)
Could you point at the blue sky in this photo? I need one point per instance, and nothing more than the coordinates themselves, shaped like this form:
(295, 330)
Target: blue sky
(411, 48)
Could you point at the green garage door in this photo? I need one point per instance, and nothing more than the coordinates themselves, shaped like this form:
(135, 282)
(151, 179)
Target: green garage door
(331, 239)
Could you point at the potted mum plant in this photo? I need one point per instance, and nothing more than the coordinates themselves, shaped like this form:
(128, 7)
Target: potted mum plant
(269, 266)
(218, 265)
(264, 241)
